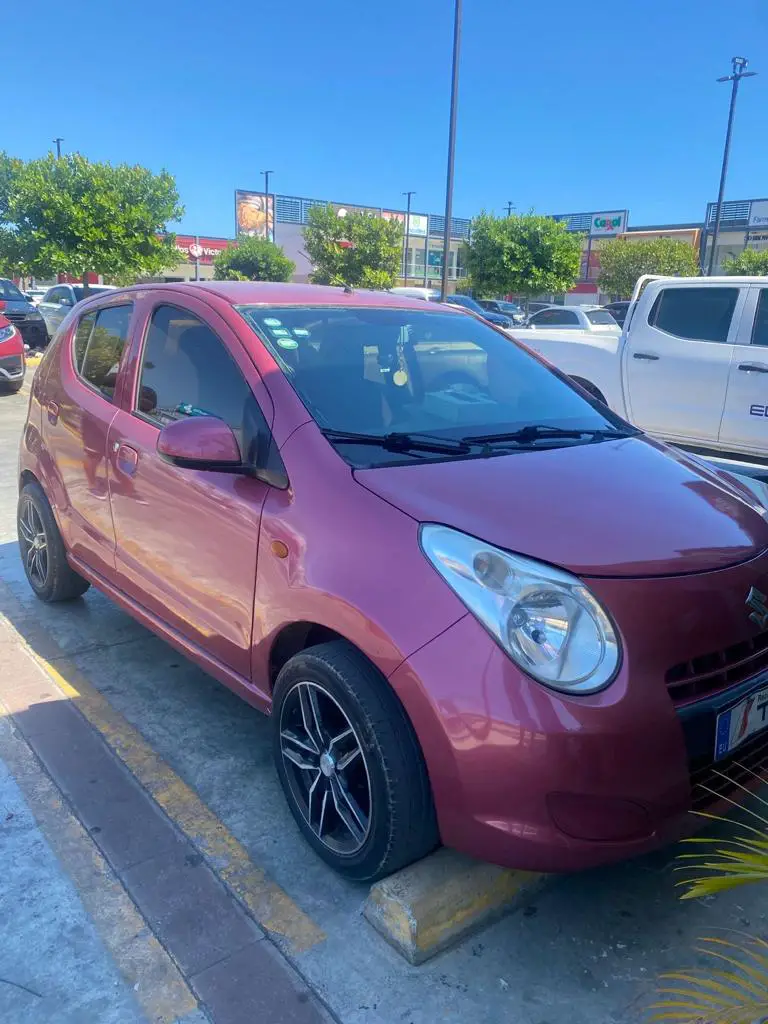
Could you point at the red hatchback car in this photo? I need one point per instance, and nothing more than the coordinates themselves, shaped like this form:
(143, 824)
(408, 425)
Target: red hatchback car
(480, 608)
(12, 362)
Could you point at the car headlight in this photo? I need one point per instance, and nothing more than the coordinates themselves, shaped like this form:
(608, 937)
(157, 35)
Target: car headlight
(6, 333)
(34, 315)
(545, 619)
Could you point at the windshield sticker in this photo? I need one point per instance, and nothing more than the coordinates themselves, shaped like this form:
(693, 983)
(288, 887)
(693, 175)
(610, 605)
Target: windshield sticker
(301, 332)
(271, 322)
(280, 332)
(289, 343)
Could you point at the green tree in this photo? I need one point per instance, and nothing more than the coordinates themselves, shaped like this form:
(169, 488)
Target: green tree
(622, 261)
(253, 259)
(527, 255)
(357, 250)
(751, 262)
(70, 215)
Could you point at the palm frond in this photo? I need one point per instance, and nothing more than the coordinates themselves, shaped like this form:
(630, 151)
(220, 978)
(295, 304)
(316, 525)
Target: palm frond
(733, 996)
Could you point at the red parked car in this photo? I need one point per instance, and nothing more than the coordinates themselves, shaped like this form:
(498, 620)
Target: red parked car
(12, 362)
(480, 608)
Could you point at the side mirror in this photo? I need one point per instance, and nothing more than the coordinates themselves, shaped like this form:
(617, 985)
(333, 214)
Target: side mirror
(200, 442)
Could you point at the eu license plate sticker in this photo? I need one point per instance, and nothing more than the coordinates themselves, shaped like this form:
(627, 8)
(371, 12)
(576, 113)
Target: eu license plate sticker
(740, 722)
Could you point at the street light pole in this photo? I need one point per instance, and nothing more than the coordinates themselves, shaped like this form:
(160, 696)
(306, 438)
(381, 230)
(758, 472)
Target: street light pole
(58, 140)
(266, 204)
(510, 208)
(739, 71)
(407, 234)
(451, 145)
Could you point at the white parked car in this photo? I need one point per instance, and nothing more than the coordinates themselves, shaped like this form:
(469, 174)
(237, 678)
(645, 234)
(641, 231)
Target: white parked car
(572, 318)
(691, 365)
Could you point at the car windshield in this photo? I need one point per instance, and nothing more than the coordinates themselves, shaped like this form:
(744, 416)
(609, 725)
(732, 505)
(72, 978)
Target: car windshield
(9, 292)
(93, 289)
(384, 371)
(601, 318)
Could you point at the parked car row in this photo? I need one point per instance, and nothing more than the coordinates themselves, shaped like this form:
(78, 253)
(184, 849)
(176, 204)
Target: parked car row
(479, 606)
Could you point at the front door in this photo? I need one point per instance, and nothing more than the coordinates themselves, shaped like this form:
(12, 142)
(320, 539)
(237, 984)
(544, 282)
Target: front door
(186, 540)
(745, 418)
(79, 404)
(677, 363)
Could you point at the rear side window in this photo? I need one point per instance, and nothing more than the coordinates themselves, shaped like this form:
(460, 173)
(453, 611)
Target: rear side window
(696, 314)
(104, 347)
(82, 337)
(600, 317)
(187, 371)
(760, 330)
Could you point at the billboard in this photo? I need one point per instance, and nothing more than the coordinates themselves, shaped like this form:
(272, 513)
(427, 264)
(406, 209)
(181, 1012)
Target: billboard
(596, 225)
(254, 214)
(193, 248)
(758, 213)
(417, 222)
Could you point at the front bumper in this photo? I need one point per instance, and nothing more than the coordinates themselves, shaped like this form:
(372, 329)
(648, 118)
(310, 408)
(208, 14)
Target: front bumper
(529, 778)
(33, 332)
(12, 367)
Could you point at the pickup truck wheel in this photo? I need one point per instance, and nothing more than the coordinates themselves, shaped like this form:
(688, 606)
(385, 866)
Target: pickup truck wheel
(590, 389)
(350, 764)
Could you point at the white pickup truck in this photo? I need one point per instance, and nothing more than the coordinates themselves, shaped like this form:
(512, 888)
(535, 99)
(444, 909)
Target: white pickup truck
(690, 366)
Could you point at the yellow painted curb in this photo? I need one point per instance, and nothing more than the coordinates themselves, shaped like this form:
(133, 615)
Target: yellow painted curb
(431, 905)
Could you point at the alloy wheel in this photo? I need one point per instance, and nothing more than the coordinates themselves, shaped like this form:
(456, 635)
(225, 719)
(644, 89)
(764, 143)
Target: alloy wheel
(326, 768)
(34, 544)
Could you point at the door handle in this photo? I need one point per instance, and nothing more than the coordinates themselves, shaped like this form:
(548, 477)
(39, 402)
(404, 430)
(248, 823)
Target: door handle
(645, 355)
(53, 413)
(127, 458)
(756, 367)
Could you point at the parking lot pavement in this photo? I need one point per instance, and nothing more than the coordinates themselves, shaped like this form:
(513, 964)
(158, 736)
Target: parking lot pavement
(588, 949)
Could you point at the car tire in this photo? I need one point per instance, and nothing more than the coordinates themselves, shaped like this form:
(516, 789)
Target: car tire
(12, 387)
(350, 764)
(42, 550)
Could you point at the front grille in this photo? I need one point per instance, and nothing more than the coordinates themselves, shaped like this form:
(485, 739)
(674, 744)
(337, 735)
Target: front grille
(708, 784)
(14, 317)
(710, 673)
(12, 365)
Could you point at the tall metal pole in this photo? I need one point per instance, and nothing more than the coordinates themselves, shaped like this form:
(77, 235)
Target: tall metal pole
(739, 66)
(510, 208)
(407, 234)
(58, 140)
(267, 233)
(451, 145)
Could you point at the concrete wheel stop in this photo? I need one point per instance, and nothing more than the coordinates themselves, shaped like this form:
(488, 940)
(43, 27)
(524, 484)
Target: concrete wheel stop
(437, 902)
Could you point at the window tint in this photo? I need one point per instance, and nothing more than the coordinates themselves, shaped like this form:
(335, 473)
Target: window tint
(555, 318)
(10, 292)
(601, 317)
(52, 295)
(760, 330)
(697, 314)
(101, 360)
(187, 371)
(82, 335)
(93, 289)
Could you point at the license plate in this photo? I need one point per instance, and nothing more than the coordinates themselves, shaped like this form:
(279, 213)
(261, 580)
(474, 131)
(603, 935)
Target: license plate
(738, 723)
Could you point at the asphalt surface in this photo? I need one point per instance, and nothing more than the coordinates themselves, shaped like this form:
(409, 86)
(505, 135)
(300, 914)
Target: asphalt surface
(589, 949)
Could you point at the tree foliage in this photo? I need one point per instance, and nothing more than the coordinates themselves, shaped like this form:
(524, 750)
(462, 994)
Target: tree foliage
(752, 262)
(525, 255)
(253, 259)
(622, 261)
(359, 249)
(70, 215)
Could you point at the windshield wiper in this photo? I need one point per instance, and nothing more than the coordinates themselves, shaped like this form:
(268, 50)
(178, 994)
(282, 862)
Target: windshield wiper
(543, 432)
(398, 441)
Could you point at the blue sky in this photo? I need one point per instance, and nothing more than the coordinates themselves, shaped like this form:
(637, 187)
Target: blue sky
(563, 107)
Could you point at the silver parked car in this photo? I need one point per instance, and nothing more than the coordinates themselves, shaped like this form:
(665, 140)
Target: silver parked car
(584, 318)
(57, 302)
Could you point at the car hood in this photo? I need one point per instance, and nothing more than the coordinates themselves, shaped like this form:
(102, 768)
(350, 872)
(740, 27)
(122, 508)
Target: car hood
(606, 340)
(629, 507)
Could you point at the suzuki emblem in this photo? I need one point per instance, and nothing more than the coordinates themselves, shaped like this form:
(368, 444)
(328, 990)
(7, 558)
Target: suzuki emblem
(756, 601)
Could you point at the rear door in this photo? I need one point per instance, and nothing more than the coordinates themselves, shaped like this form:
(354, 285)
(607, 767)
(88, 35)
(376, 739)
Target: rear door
(677, 360)
(187, 539)
(745, 419)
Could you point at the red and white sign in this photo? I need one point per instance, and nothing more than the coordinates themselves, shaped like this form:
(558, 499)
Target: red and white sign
(204, 249)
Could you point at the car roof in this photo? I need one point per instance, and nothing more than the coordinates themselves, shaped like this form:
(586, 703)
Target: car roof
(271, 293)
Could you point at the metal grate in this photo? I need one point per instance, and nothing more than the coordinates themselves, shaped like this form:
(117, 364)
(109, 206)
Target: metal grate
(733, 214)
(575, 221)
(710, 673)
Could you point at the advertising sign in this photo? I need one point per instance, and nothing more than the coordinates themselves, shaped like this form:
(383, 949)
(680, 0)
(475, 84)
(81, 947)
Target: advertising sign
(204, 249)
(604, 224)
(342, 209)
(417, 222)
(758, 213)
(254, 214)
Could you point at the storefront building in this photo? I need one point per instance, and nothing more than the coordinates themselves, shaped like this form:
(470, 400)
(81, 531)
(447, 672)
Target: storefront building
(196, 256)
(743, 225)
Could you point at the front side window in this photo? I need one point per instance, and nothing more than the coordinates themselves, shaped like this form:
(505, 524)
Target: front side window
(760, 329)
(186, 370)
(378, 371)
(104, 348)
(696, 314)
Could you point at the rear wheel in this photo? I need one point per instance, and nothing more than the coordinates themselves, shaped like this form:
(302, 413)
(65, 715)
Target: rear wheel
(42, 549)
(350, 765)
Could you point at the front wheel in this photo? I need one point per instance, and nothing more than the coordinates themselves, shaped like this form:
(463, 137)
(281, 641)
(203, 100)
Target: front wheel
(350, 765)
(12, 387)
